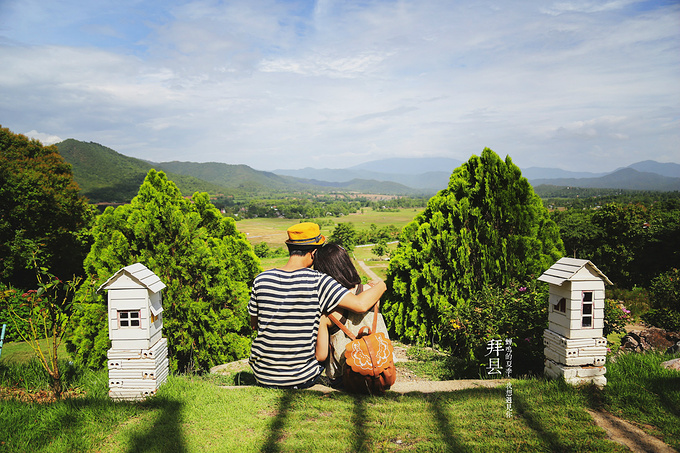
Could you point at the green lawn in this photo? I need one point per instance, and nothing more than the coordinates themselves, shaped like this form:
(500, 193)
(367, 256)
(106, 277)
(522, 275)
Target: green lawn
(198, 414)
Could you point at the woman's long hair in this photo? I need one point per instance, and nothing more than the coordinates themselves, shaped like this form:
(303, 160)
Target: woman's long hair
(333, 260)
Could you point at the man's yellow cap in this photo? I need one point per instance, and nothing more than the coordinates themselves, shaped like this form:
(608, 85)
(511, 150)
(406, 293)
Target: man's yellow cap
(306, 233)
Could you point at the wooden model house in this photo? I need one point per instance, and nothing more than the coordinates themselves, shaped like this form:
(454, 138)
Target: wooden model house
(574, 345)
(137, 360)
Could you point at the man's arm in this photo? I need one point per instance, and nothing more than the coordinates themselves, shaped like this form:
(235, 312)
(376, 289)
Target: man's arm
(363, 302)
(253, 322)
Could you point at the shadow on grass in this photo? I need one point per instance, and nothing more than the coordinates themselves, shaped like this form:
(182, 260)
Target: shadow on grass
(437, 404)
(276, 428)
(533, 420)
(164, 433)
(359, 421)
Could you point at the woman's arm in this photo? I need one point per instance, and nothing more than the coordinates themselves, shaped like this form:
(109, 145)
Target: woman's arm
(323, 340)
(363, 302)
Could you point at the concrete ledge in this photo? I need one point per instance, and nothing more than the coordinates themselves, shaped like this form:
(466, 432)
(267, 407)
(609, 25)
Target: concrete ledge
(414, 386)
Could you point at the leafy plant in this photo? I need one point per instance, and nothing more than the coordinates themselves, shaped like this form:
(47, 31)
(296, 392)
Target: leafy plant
(663, 319)
(45, 314)
(616, 316)
(42, 216)
(665, 290)
(517, 313)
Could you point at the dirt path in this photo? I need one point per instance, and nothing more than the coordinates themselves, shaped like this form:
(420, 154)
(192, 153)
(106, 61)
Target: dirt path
(371, 275)
(631, 436)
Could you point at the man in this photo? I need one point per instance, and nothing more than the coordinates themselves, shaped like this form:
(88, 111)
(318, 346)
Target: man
(285, 308)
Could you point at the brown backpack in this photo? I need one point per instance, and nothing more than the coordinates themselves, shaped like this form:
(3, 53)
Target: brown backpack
(369, 366)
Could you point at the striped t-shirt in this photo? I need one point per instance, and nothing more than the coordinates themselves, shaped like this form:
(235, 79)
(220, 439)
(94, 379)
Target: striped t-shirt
(288, 306)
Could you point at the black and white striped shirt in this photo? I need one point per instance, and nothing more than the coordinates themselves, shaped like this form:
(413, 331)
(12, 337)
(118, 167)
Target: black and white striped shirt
(288, 306)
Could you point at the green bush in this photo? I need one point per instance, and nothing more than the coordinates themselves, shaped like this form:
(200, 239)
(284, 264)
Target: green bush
(17, 299)
(664, 319)
(486, 229)
(616, 316)
(518, 312)
(665, 290)
(206, 264)
(636, 300)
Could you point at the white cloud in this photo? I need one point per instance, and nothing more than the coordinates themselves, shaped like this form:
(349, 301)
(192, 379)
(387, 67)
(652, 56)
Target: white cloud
(45, 139)
(279, 84)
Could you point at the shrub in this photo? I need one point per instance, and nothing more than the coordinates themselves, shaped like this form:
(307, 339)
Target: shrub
(487, 228)
(664, 319)
(665, 290)
(636, 300)
(518, 312)
(18, 300)
(616, 316)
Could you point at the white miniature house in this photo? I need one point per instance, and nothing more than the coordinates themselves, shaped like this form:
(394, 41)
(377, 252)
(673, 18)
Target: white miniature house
(574, 346)
(138, 358)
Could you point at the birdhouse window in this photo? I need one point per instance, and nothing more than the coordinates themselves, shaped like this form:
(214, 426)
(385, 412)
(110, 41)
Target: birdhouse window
(587, 309)
(561, 306)
(129, 318)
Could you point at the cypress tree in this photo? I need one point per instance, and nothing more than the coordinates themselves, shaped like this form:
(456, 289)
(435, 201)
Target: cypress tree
(207, 265)
(488, 227)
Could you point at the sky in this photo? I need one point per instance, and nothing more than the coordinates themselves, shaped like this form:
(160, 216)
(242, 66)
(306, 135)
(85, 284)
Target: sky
(582, 85)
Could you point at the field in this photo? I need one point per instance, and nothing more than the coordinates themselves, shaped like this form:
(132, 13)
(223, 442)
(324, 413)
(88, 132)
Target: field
(273, 231)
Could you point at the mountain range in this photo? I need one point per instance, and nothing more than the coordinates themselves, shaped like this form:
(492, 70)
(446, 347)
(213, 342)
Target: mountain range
(434, 173)
(106, 175)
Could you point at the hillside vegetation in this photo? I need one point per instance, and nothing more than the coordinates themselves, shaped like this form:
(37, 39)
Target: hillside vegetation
(105, 175)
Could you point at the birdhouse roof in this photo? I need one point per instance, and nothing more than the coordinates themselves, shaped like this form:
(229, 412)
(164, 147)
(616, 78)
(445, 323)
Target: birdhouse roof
(138, 274)
(567, 269)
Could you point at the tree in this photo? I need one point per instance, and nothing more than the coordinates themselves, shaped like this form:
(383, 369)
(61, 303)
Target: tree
(207, 265)
(380, 248)
(488, 227)
(577, 231)
(345, 235)
(41, 213)
(624, 234)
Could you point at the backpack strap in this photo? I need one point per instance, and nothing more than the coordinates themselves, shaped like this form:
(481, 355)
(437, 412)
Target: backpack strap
(347, 331)
(342, 327)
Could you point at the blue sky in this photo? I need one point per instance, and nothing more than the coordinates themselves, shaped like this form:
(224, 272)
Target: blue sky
(578, 85)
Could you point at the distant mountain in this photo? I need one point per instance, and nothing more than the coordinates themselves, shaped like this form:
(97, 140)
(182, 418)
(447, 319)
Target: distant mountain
(428, 174)
(625, 178)
(664, 169)
(226, 175)
(105, 175)
(532, 173)
(647, 175)
(409, 165)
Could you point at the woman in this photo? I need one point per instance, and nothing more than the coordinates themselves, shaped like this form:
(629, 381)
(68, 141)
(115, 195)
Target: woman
(333, 260)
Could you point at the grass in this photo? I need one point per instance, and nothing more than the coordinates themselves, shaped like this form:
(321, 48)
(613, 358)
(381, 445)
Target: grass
(273, 231)
(198, 414)
(20, 351)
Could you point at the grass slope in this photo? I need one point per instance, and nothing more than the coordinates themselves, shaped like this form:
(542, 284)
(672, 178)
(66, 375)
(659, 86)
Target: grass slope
(106, 175)
(198, 414)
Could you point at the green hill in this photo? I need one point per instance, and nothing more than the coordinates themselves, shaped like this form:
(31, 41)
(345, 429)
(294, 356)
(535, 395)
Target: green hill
(105, 175)
(231, 176)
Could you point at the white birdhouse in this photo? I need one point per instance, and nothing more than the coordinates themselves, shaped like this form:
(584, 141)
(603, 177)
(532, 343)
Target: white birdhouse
(576, 307)
(134, 305)
(138, 358)
(574, 346)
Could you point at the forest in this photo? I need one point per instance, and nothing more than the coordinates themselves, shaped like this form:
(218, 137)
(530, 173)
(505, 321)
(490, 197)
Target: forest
(464, 270)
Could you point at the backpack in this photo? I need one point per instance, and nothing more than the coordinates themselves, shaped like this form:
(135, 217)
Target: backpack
(369, 366)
